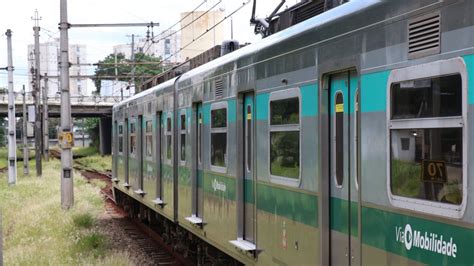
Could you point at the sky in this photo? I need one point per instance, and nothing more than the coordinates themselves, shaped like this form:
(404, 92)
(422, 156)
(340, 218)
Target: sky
(17, 16)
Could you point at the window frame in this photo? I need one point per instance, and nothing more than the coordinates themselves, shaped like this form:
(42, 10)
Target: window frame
(133, 134)
(166, 133)
(149, 134)
(249, 140)
(216, 106)
(455, 66)
(357, 130)
(181, 133)
(334, 141)
(283, 95)
(120, 135)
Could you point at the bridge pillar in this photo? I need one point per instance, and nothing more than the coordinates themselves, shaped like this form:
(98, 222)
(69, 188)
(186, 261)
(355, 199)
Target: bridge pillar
(105, 135)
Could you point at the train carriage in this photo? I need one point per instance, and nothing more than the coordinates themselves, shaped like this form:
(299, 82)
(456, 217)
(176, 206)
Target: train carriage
(341, 140)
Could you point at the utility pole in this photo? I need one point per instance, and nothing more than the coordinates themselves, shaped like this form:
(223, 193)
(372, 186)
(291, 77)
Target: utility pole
(133, 63)
(66, 137)
(45, 119)
(83, 131)
(36, 94)
(11, 115)
(26, 169)
(116, 76)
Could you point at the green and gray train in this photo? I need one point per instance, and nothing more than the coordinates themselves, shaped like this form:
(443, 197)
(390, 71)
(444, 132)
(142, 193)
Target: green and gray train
(342, 140)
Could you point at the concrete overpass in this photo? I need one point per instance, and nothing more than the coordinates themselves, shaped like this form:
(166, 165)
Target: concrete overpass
(81, 106)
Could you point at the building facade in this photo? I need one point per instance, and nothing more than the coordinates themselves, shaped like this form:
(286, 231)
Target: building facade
(49, 59)
(195, 24)
(165, 45)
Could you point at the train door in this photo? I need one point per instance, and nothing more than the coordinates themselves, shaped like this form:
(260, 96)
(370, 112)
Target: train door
(248, 169)
(343, 201)
(197, 168)
(159, 159)
(247, 212)
(126, 152)
(140, 155)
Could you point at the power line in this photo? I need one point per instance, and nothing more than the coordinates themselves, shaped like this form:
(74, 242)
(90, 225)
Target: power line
(185, 26)
(196, 8)
(195, 39)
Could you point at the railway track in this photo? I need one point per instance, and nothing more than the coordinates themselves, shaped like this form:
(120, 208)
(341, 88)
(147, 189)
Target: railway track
(144, 238)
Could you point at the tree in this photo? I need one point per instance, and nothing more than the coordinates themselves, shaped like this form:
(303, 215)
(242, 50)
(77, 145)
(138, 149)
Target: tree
(106, 67)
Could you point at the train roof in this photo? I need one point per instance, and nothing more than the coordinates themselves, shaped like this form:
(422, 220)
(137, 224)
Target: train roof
(153, 90)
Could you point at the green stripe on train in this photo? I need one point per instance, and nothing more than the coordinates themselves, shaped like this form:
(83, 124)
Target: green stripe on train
(425, 239)
(469, 60)
(339, 212)
(294, 205)
(373, 95)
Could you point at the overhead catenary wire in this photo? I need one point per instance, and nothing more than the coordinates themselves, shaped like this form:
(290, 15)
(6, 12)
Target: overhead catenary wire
(172, 26)
(197, 38)
(185, 26)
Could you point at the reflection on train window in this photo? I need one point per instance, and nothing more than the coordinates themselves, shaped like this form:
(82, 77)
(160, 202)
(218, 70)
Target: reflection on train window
(183, 137)
(219, 137)
(285, 112)
(133, 144)
(431, 97)
(149, 139)
(133, 138)
(199, 134)
(248, 133)
(339, 138)
(285, 138)
(169, 144)
(148, 126)
(431, 166)
(120, 139)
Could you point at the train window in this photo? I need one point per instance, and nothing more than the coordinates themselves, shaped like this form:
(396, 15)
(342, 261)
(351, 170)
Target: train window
(285, 135)
(426, 136)
(169, 144)
(248, 133)
(431, 167)
(429, 97)
(183, 138)
(219, 135)
(149, 139)
(339, 137)
(120, 139)
(199, 134)
(357, 139)
(133, 138)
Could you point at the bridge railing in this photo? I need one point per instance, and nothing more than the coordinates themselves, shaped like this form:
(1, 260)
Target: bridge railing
(76, 99)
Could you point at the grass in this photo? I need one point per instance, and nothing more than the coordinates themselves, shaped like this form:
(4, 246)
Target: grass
(84, 151)
(406, 178)
(97, 162)
(84, 220)
(36, 230)
(19, 155)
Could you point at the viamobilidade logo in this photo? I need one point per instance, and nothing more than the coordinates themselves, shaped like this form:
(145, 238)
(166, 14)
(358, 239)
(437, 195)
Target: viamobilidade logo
(428, 241)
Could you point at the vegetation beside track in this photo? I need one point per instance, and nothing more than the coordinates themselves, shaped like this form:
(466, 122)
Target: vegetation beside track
(37, 231)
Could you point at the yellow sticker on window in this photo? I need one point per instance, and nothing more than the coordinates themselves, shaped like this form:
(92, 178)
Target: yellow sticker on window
(340, 108)
(249, 116)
